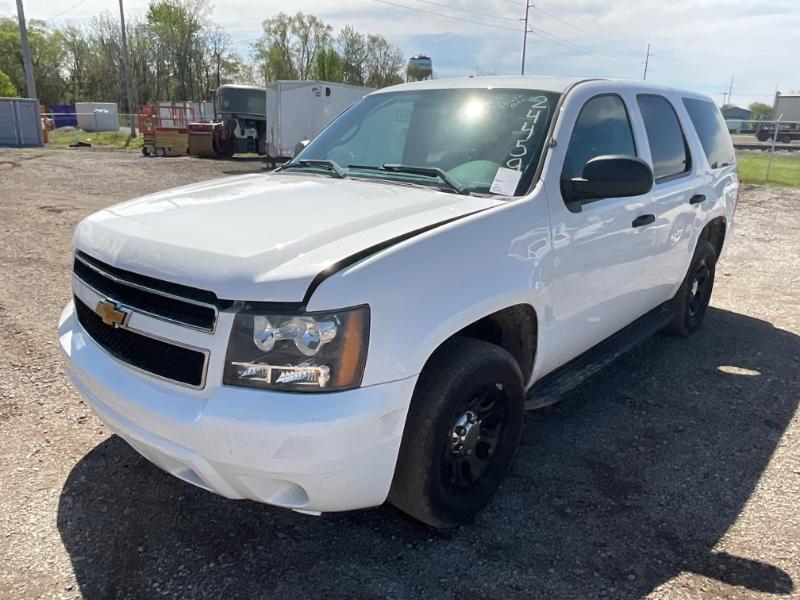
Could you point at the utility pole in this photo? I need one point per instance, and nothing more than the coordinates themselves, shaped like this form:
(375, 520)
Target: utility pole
(730, 91)
(528, 5)
(30, 83)
(646, 62)
(126, 70)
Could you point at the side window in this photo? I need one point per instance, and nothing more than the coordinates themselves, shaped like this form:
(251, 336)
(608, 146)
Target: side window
(712, 131)
(664, 134)
(602, 128)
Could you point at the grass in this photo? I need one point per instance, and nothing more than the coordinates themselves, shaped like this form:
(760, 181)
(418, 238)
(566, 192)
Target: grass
(785, 169)
(65, 136)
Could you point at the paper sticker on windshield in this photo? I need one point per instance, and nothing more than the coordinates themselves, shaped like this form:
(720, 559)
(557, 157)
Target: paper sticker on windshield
(505, 182)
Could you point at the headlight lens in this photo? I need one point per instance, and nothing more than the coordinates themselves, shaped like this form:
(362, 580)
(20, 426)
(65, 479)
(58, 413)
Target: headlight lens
(302, 352)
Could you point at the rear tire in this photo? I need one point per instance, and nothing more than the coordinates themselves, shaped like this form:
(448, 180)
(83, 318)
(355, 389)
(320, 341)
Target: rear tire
(462, 430)
(691, 302)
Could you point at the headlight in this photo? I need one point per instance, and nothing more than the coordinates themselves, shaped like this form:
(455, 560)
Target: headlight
(301, 352)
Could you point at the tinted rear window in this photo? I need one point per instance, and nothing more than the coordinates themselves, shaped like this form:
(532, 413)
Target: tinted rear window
(712, 132)
(665, 136)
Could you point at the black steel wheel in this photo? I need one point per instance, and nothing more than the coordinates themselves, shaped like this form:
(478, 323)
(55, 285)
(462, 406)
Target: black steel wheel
(471, 446)
(691, 302)
(462, 430)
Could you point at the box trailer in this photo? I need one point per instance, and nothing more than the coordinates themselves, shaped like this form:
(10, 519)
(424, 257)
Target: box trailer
(299, 110)
(787, 109)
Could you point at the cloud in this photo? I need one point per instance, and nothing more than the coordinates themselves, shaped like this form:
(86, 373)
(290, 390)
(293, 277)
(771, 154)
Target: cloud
(697, 44)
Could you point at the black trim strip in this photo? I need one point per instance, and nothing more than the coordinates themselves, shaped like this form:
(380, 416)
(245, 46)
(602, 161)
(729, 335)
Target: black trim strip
(168, 287)
(369, 251)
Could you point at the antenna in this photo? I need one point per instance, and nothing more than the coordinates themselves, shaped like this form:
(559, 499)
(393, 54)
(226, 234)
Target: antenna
(646, 62)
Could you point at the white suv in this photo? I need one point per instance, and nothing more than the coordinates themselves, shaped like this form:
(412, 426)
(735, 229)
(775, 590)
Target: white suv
(372, 320)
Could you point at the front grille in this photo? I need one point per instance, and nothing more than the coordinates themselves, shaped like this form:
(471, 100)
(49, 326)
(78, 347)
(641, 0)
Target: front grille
(142, 352)
(171, 301)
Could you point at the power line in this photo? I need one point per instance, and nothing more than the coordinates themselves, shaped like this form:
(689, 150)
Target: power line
(467, 10)
(585, 31)
(544, 35)
(572, 46)
(436, 14)
(63, 12)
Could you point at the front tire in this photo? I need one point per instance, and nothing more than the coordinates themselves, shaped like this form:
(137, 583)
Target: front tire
(462, 430)
(691, 302)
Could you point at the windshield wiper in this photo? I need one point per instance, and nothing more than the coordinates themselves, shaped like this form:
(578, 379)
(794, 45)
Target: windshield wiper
(336, 170)
(430, 171)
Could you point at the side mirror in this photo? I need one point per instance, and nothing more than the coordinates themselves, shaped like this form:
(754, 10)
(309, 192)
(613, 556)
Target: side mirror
(609, 177)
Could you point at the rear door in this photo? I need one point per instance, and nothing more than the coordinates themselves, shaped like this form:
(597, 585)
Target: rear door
(719, 180)
(677, 191)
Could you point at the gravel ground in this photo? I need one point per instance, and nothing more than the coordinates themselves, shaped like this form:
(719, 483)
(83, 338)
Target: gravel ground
(673, 474)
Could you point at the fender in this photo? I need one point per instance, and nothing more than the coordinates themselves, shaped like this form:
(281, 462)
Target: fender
(473, 267)
(374, 249)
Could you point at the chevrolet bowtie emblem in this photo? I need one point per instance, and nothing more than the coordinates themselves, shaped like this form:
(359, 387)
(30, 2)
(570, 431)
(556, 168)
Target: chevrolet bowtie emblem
(110, 313)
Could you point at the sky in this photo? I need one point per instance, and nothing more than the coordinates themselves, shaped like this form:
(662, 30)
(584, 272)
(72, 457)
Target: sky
(695, 44)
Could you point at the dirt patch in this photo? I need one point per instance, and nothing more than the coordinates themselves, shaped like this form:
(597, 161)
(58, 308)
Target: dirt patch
(674, 474)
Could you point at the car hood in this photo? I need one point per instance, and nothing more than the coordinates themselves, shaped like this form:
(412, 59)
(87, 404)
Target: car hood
(261, 237)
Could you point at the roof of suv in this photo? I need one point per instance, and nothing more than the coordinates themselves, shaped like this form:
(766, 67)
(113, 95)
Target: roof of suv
(535, 82)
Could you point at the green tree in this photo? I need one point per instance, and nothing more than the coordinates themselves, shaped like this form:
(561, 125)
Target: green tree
(47, 56)
(7, 89)
(384, 63)
(353, 50)
(303, 47)
(760, 111)
(177, 26)
(328, 65)
(273, 50)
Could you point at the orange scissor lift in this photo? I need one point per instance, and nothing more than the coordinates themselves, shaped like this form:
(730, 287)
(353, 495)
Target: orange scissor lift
(165, 134)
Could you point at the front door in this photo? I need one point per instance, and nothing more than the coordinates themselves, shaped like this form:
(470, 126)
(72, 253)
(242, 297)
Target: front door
(602, 271)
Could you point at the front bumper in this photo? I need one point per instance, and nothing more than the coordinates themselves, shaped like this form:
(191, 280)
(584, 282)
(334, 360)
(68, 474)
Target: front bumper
(306, 451)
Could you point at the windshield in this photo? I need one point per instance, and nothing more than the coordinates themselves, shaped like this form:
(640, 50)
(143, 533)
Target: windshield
(486, 140)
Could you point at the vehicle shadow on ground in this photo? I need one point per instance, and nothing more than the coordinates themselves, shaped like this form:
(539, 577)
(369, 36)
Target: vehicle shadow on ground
(629, 481)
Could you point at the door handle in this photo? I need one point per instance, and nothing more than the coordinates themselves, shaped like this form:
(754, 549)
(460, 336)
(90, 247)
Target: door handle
(697, 199)
(642, 220)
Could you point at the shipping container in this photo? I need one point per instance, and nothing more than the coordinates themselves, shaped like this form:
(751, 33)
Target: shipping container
(20, 123)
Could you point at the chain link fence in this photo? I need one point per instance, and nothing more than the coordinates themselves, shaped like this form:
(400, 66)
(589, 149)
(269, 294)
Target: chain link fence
(91, 129)
(768, 152)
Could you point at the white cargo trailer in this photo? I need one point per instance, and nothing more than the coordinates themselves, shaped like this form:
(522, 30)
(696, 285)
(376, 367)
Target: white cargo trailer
(299, 110)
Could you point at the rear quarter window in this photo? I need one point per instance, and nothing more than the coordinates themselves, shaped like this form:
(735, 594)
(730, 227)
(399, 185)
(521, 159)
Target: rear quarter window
(711, 130)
